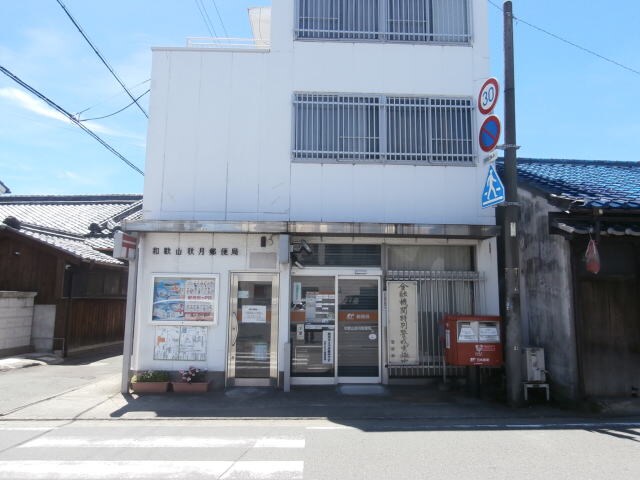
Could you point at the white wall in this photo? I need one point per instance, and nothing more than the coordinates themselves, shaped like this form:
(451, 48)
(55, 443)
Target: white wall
(150, 264)
(16, 317)
(220, 133)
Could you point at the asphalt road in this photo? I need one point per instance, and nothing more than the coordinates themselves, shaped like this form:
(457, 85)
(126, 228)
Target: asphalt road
(70, 422)
(308, 449)
(24, 387)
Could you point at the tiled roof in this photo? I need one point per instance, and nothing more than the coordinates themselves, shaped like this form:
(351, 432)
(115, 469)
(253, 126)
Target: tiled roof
(81, 225)
(586, 183)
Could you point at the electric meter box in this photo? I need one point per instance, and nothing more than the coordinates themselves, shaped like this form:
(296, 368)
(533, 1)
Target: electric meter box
(473, 340)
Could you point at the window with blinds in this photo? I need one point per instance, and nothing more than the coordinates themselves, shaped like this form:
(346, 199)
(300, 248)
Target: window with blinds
(415, 21)
(382, 129)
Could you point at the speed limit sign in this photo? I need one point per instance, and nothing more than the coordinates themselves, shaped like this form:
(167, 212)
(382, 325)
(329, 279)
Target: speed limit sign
(488, 96)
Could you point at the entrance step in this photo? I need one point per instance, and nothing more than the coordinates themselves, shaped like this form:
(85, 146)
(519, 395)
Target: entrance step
(379, 390)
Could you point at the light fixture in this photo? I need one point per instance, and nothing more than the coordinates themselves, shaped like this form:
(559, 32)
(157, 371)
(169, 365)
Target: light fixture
(305, 246)
(297, 249)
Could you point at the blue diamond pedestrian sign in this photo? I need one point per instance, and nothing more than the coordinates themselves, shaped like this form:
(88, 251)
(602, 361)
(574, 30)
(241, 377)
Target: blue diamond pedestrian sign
(493, 192)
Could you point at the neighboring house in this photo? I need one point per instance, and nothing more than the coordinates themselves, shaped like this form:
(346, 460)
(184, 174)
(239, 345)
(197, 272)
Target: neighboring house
(60, 248)
(4, 189)
(290, 178)
(588, 324)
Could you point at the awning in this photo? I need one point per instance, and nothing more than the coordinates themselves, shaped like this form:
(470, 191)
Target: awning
(317, 228)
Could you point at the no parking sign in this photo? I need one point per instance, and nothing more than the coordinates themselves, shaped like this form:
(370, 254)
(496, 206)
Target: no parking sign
(489, 134)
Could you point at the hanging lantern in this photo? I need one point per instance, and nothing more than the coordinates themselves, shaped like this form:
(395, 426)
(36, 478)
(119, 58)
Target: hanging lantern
(592, 257)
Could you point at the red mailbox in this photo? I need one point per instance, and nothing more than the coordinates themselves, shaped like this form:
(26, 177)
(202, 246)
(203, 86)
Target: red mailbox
(472, 340)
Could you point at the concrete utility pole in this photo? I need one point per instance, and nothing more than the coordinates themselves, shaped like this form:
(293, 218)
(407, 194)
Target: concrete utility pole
(513, 350)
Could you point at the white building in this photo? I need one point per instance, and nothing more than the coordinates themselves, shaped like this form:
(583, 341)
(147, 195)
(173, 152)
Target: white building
(348, 129)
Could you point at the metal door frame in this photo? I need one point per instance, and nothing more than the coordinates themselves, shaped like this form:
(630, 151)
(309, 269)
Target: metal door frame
(232, 330)
(371, 273)
(378, 379)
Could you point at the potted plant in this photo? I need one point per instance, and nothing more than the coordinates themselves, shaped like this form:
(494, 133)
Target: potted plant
(192, 380)
(150, 381)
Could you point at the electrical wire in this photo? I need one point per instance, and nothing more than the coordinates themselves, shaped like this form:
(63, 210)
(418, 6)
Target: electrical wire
(106, 64)
(117, 112)
(215, 5)
(569, 42)
(61, 110)
(112, 96)
(205, 18)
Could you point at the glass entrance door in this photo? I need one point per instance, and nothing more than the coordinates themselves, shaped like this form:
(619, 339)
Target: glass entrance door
(253, 326)
(334, 329)
(358, 349)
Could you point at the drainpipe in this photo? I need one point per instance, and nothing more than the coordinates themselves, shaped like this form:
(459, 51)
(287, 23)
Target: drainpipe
(127, 348)
(67, 324)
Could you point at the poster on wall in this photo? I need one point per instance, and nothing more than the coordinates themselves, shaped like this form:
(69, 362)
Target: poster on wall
(402, 305)
(174, 342)
(185, 299)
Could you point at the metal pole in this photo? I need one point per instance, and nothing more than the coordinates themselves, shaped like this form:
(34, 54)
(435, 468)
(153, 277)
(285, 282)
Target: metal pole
(510, 226)
(129, 323)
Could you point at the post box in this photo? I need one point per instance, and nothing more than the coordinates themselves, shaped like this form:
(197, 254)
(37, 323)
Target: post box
(473, 340)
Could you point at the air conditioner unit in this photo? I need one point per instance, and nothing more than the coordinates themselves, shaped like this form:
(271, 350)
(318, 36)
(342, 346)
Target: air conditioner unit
(534, 365)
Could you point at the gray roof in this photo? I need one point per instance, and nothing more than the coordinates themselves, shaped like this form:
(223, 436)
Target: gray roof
(80, 225)
(4, 188)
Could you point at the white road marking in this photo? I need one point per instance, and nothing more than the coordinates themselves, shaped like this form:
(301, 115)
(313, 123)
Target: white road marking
(336, 427)
(291, 470)
(130, 470)
(163, 442)
(26, 429)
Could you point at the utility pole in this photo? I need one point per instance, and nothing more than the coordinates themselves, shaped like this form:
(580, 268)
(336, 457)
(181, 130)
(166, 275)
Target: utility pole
(513, 348)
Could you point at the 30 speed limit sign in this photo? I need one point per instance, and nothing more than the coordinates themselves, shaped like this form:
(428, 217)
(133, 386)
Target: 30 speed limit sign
(488, 96)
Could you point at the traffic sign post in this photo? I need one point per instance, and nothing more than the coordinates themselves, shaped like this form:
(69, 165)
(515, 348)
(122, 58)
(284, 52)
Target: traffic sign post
(488, 97)
(489, 134)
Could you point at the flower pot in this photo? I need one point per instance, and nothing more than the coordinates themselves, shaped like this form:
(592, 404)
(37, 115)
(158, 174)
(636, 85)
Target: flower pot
(149, 387)
(195, 387)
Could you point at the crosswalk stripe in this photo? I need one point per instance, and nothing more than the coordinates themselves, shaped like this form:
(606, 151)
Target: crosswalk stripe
(164, 442)
(135, 470)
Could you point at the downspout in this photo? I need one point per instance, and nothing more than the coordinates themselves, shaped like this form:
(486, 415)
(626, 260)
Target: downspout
(129, 323)
(67, 327)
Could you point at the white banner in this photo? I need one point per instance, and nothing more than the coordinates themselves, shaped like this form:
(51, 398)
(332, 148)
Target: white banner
(402, 319)
(327, 347)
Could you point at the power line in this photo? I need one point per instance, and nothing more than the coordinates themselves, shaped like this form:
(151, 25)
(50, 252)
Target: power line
(73, 20)
(115, 113)
(112, 96)
(215, 5)
(205, 17)
(569, 42)
(58, 108)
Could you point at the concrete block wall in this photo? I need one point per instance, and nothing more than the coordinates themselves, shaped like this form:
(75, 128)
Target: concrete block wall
(16, 318)
(42, 329)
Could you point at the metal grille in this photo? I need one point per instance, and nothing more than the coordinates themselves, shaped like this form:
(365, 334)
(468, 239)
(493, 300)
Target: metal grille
(415, 21)
(336, 127)
(439, 293)
(379, 128)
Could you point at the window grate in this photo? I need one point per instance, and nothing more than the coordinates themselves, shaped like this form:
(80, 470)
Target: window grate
(382, 129)
(415, 21)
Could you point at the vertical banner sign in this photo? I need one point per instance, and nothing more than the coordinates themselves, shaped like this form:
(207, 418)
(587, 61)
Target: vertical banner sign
(327, 347)
(402, 315)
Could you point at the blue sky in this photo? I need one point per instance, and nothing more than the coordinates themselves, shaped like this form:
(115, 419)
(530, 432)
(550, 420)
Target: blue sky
(569, 104)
